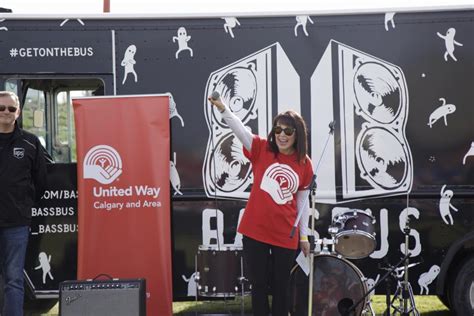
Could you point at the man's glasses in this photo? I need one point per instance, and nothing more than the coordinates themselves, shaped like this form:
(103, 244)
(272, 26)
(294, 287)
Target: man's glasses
(11, 109)
(287, 130)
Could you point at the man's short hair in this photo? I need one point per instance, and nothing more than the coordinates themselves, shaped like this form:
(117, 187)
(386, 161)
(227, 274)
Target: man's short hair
(11, 95)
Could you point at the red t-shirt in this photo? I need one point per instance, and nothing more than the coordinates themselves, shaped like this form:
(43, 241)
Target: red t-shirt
(271, 209)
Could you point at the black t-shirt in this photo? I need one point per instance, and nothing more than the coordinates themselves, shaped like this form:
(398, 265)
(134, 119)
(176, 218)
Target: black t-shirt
(4, 139)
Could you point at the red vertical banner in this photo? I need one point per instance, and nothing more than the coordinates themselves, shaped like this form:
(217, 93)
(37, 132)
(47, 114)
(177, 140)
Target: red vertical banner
(123, 154)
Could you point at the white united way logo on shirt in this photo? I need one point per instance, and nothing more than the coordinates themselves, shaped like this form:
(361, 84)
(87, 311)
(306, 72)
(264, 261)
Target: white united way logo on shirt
(281, 182)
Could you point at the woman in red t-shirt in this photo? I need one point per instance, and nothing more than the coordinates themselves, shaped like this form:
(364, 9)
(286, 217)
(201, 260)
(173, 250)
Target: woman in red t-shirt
(282, 172)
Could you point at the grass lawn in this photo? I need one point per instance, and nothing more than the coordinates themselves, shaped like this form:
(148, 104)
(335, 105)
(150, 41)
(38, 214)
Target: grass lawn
(428, 305)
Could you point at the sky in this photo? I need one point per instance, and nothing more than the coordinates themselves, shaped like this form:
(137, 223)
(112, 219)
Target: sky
(216, 6)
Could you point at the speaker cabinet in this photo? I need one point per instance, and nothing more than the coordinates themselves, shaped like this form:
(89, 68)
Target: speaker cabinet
(102, 298)
(368, 155)
(255, 88)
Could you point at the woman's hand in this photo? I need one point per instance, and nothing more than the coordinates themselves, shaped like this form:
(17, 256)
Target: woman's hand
(217, 103)
(304, 246)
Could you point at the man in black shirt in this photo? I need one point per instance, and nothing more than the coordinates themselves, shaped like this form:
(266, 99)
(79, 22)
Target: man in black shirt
(22, 176)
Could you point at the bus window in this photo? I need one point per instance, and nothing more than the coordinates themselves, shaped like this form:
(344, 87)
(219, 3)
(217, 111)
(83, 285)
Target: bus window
(65, 135)
(33, 119)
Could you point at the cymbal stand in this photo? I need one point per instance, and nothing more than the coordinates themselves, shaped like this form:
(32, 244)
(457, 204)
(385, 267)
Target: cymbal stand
(404, 291)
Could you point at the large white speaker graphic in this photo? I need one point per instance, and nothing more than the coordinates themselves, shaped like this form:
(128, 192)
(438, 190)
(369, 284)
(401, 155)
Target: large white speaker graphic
(255, 88)
(368, 155)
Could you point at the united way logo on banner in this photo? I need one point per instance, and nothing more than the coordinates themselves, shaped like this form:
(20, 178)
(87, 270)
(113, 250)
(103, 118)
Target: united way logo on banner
(103, 164)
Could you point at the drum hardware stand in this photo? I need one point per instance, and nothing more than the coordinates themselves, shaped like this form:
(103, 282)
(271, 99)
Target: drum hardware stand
(242, 281)
(369, 306)
(197, 277)
(388, 286)
(323, 246)
(333, 230)
(404, 291)
(346, 307)
(398, 274)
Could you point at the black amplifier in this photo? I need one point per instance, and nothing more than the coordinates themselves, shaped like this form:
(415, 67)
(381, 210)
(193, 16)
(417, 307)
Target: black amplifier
(124, 297)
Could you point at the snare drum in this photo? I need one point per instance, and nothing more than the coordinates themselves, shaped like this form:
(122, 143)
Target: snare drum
(220, 271)
(335, 279)
(356, 236)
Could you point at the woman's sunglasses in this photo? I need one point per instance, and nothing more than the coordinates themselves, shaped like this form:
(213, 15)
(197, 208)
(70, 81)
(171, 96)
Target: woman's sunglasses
(11, 109)
(287, 130)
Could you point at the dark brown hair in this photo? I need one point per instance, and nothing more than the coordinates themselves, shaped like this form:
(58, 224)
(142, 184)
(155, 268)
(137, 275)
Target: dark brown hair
(292, 119)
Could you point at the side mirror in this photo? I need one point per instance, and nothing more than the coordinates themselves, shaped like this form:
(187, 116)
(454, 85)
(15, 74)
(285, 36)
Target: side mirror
(38, 118)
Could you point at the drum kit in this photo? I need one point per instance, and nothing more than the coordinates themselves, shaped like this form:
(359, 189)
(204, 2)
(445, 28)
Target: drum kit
(335, 286)
(220, 269)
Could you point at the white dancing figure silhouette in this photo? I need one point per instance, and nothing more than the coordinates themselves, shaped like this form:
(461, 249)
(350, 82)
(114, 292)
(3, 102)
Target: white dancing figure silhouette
(182, 40)
(129, 62)
(449, 43)
(302, 20)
